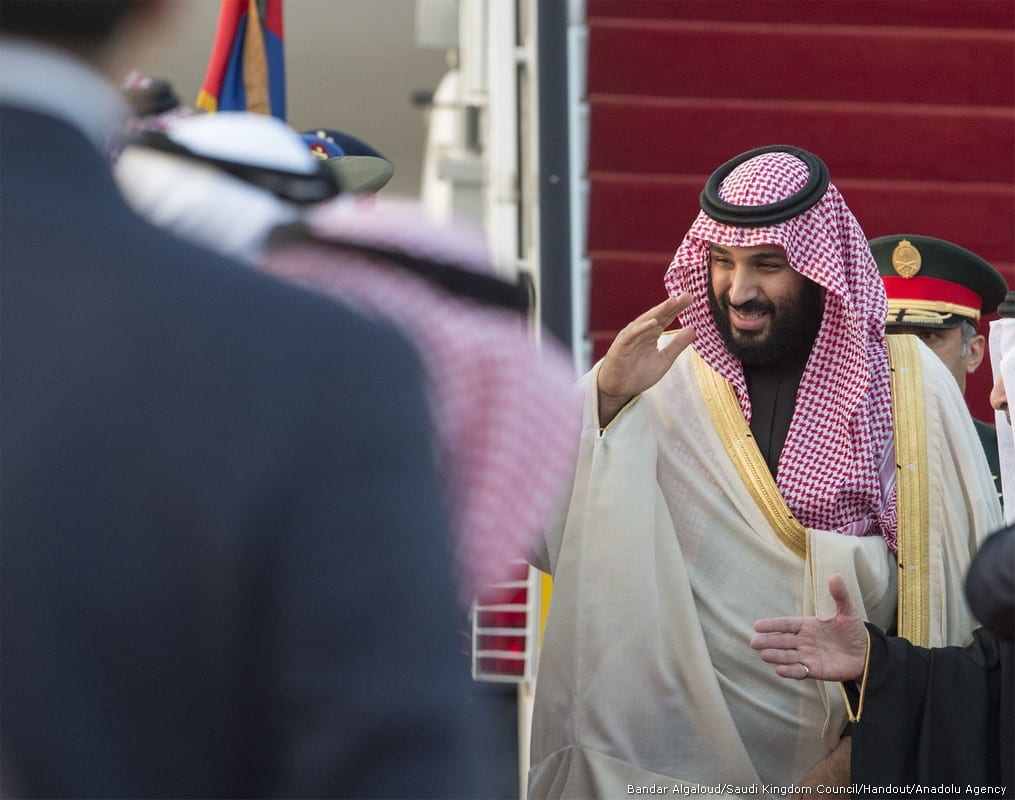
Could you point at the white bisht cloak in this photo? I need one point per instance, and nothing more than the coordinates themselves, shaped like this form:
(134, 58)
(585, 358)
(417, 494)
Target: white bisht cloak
(662, 563)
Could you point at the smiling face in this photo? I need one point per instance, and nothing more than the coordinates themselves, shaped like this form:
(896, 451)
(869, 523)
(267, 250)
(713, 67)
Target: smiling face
(764, 309)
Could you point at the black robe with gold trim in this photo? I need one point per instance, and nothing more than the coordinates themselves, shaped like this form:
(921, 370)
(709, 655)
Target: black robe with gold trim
(936, 716)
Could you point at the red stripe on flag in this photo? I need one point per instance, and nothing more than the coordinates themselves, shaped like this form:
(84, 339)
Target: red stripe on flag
(273, 17)
(230, 14)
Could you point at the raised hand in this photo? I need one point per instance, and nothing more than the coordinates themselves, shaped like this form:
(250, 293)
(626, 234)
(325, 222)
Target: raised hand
(635, 362)
(827, 648)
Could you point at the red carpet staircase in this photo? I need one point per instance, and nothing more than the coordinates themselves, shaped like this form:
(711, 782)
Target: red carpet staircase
(911, 103)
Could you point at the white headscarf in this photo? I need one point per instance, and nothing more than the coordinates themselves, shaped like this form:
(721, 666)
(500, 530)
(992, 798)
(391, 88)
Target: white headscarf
(1002, 362)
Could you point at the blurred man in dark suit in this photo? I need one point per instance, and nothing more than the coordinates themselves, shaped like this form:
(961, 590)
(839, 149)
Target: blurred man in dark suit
(225, 567)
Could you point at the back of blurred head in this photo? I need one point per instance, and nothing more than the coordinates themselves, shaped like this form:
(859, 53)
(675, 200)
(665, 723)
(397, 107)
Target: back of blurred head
(81, 21)
(95, 30)
(220, 179)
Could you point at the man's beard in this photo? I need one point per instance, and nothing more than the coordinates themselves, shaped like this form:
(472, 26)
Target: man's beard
(792, 328)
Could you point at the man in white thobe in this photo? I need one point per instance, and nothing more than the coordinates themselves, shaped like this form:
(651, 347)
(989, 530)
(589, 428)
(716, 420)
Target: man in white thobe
(726, 481)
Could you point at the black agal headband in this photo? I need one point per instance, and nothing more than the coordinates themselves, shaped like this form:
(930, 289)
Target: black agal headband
(453, 279)
(772, 213)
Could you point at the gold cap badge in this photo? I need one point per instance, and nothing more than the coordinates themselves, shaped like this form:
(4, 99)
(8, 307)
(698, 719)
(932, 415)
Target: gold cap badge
(906, 259)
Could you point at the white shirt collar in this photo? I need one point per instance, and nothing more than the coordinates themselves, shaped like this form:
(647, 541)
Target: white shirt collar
(51, 81)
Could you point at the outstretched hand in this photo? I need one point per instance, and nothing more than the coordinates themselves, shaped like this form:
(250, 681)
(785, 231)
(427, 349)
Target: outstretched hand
(635, 362)
(827, 648)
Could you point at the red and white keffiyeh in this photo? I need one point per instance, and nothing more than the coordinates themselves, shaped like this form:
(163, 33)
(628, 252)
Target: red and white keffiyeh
(842, 423)
(505, 414)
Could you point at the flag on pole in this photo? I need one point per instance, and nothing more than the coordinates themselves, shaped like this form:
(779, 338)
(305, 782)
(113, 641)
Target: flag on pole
(246, 71)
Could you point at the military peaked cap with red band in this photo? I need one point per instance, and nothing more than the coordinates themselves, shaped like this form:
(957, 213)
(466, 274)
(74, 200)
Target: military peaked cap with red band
(932, 283)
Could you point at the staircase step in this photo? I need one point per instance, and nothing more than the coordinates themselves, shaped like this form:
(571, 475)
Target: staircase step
(652, 214)
(859, 140)
(997, 14)
(624, 285)
(802, 62)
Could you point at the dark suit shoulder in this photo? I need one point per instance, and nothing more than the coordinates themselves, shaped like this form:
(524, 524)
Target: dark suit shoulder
(221, 509)
(988, 436)
(988, 441)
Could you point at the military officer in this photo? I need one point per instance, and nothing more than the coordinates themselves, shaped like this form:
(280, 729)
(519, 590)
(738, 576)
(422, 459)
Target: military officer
(938, 292)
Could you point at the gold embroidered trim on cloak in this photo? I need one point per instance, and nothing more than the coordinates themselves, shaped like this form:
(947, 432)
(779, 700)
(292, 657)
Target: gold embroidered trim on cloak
(911, 487)
(858, 714)
(743, 451)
